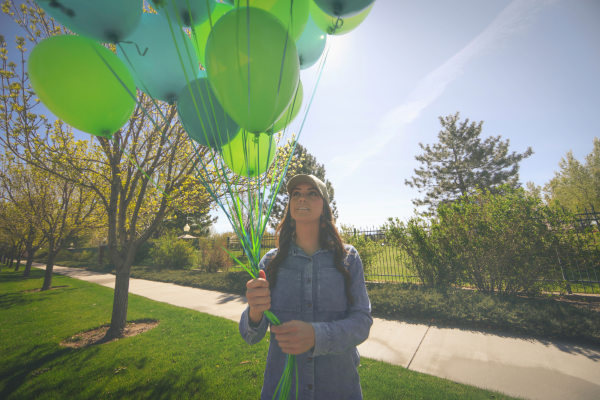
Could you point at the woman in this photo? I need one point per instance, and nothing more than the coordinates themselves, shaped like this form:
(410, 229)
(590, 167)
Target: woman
(315, 286)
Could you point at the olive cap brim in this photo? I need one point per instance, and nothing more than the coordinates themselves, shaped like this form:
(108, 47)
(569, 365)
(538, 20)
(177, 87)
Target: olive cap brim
(311, 179)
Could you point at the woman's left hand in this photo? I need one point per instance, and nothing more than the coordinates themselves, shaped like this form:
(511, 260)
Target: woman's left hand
(294, 337)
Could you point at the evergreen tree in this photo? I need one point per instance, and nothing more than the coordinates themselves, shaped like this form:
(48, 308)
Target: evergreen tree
(460, 162)
(309, 166)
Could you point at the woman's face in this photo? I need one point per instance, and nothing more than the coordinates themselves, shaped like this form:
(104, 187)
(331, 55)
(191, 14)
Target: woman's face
(306, 203)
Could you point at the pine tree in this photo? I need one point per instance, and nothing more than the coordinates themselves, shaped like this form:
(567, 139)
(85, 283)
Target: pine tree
(309, 166)
(460, 162)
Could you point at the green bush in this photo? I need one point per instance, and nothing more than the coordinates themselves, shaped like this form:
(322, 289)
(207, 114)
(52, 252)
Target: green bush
(369, 250)
(212, 256)
(506, 242)
(64, 255)
(172, 253)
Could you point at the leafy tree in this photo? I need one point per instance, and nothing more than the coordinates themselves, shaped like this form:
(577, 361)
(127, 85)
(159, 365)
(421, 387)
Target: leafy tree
(576, 186)
(13, 225)
(60, 209)
(461, 162)
(307, 165)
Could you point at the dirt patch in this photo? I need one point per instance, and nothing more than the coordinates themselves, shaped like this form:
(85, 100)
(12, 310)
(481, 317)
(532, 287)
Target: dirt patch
(39, 290)
(96, 336)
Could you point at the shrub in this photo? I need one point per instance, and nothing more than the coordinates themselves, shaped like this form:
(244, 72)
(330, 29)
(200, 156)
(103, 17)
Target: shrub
(369, 250)
(84, 256)
(64, 255)
(172, 253)
(507, 242)
(212, 255)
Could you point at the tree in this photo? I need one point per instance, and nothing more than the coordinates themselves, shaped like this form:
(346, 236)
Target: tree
(308, 165)
(60, 209)
(461, 162)
(576, 186)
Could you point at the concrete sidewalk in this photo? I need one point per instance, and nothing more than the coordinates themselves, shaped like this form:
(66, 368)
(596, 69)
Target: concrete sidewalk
(514, 365)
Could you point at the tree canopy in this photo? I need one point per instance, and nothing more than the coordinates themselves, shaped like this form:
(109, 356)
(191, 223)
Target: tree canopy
(461, 162)
(576, 185)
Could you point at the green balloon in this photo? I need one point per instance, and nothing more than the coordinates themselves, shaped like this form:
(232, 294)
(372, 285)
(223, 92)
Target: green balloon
(291, 113)
(200, 32)
(186, 12)
(256, 88)
(344, 25)
(249, 154)
(294, 21)
(71, 77)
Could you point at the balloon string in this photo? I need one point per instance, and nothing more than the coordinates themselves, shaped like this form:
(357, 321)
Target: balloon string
(138, 49)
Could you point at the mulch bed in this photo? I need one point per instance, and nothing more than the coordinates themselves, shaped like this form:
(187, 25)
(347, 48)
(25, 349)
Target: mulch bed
(96, 336)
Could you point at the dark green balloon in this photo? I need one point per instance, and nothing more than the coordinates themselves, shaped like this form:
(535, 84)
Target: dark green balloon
(106, 21)
(189, 12)
(70, 76)
(328, 23)
(249, 85)
(343, 8)
(205, 121)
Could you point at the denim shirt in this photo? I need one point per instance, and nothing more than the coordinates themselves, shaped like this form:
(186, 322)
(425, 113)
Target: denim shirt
(311, 289)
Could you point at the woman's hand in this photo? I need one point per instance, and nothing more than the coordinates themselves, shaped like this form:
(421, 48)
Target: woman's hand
(294, 337)
(259, 297)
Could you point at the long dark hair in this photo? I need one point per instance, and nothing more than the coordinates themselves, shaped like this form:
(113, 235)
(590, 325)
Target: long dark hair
(329, 238)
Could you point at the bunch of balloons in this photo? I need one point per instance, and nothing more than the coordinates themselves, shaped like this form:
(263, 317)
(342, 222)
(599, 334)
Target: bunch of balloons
(232, 67)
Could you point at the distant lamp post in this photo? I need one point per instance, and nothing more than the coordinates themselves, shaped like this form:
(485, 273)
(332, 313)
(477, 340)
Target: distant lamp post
(71, 244)
(186, 228)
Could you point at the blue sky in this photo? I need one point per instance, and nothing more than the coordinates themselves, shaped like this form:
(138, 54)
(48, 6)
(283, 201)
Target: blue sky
(527, 68)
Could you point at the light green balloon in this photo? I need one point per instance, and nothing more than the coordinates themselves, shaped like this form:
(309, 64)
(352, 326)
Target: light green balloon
(254, 88)
(201, 31)
(70, 76)
(294, 21)
(251, 159)
(291, 113)
(344, 25)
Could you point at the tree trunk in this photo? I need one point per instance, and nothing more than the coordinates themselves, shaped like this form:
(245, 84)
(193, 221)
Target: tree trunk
(120, 303)
(30, 255)
(49, 267)
(121, 298)
(27, 271)
(19, 256)
(12, 259)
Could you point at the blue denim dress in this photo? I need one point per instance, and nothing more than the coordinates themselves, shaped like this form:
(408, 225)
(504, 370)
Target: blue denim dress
(311, 289)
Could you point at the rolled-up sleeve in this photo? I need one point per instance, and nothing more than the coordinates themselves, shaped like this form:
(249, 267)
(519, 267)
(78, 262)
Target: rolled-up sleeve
(253, 335)
(338, 337)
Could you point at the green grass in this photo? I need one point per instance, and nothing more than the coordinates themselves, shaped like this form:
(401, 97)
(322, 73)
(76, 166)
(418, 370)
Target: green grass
(188, 355)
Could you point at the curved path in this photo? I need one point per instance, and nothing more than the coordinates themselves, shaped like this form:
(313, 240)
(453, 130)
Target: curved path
(515, 365)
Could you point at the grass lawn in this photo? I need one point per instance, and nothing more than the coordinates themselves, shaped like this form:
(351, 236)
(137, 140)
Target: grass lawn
(188, 355)
(545, 317)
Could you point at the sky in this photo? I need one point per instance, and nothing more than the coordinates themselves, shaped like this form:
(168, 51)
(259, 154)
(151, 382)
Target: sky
(527, 68)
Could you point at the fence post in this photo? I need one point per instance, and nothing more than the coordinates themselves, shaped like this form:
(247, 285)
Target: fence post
(228, 240)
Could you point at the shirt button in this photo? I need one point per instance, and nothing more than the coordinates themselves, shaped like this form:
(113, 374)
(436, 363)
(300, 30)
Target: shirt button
(310, 387)
(310, 259)
(309, 279)
(309, 305)
(309, 359)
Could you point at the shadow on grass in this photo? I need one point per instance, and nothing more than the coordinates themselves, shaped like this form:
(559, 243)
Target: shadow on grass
(26, 297)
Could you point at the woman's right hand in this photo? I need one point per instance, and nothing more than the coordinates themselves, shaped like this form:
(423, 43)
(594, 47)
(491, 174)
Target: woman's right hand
(259, 297)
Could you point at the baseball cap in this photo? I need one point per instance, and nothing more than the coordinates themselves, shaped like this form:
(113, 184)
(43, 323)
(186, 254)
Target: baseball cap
(313, 180)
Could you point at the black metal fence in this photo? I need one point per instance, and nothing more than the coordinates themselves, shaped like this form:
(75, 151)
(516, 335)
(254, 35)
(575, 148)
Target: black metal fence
(581, 270)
